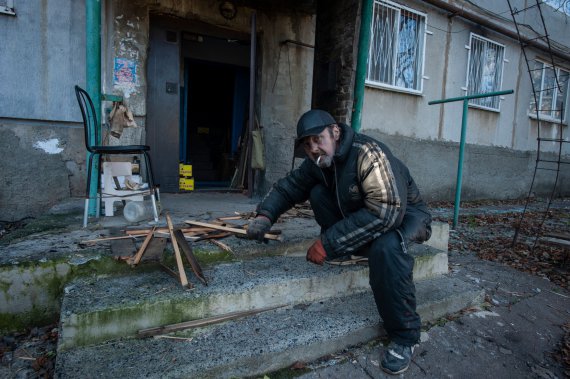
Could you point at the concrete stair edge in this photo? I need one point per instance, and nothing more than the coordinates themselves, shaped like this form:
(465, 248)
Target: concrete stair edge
(257, 342)
(128, 310)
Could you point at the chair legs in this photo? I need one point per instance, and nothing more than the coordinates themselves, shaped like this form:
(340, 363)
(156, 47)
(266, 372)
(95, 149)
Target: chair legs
(154, 191)
(88, 188)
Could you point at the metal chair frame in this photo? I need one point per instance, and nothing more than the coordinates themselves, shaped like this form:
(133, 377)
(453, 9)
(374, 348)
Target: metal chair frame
(92, 133)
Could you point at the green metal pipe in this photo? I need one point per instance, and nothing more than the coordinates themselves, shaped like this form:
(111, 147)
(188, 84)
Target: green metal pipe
(460, 162)
(465, 100)
(93, 73)
(468, 97)
(362, 62)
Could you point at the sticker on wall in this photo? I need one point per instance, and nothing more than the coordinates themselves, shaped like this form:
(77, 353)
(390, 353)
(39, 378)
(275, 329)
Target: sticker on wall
(125, 72)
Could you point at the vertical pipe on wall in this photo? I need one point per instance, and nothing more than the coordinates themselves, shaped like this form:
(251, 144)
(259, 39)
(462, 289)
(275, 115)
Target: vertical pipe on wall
(251, 103)
(362, 62)
(93, 72)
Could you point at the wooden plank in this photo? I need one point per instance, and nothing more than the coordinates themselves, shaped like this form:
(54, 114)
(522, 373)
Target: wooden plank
(165, 230)
(202, 322)
(187, 249)
(181, 272)
(155, 249)
(103, 239)
(143, 247)
(173, 274)
(121, 248)
(233, 230)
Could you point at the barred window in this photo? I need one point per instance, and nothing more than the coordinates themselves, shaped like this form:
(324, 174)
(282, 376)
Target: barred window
(7, 7)
(485, 71)
(551, 96)
(396, 47)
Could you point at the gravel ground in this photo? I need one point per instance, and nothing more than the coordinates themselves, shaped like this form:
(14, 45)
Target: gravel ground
(485, 230)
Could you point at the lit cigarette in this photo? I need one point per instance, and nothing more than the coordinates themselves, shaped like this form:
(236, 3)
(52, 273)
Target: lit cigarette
(319, 159)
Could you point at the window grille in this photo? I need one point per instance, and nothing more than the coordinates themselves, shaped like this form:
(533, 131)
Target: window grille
(552, 97)
(7, 7)
(396, 47)
(485, 71)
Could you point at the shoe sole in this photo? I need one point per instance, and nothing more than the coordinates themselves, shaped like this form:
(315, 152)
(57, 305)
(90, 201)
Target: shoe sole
(395, 372)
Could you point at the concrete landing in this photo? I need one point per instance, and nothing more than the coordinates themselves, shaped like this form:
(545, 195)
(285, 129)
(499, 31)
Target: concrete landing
(98, 309)
(262, 343)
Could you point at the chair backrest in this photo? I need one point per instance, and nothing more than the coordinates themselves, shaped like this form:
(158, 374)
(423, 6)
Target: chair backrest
(90, 123)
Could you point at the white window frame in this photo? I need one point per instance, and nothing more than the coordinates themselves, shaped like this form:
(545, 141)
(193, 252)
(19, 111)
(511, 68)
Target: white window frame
(7, 7)
(420, 59)
(477, 103)
(540, 93)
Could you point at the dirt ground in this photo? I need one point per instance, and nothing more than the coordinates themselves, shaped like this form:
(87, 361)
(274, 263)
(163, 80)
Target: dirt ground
(485, 229)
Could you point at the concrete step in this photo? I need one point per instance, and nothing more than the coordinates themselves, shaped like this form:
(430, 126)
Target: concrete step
(257, 344)
(95, 309)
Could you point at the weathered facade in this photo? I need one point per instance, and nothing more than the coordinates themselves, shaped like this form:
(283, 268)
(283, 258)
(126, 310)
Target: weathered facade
(183, 67)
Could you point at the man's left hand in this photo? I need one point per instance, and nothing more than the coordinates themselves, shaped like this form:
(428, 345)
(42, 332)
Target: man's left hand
(317, 253)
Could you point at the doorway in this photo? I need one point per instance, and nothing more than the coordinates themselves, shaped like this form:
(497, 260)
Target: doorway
(197, 101)
(213, 115)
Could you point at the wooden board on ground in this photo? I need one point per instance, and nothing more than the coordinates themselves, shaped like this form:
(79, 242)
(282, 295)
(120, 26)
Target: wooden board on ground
(121, 247)
(154, 250)
(227, 229)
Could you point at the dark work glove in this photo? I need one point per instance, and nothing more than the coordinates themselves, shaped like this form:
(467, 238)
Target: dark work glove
(317, 253)
(258, 227)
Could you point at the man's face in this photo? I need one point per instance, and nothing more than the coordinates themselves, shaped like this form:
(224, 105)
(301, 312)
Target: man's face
(321, 148)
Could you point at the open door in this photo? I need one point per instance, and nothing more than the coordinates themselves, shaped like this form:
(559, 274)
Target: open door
(198, 101)
(215, 112)
(163, 105)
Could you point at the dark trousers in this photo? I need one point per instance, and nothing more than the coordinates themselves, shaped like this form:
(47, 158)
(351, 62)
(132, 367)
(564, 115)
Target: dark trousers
(391, 272)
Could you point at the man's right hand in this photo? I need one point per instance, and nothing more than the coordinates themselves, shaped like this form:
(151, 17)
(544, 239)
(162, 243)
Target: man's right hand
(258, 227)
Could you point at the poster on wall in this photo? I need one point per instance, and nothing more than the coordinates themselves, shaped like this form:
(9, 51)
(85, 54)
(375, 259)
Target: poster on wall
(125, 72)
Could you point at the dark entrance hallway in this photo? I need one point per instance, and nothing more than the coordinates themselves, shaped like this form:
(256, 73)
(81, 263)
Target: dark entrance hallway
(214, 117)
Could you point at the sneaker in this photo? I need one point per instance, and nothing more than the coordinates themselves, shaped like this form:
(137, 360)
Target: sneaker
(348, 260)
(397, 358)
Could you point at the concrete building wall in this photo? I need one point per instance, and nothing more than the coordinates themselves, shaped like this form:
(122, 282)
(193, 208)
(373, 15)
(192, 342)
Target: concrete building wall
(42, 56)
(501, 146)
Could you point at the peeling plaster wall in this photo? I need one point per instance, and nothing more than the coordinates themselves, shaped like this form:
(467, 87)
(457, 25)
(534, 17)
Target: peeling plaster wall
(286, 88)
(39, 167)
(42, 56)
(284, 70)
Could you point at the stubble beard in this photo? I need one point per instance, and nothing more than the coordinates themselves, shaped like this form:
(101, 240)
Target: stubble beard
(324, 161)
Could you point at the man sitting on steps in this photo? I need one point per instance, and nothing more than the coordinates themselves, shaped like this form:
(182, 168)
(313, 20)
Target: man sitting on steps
(366, 203)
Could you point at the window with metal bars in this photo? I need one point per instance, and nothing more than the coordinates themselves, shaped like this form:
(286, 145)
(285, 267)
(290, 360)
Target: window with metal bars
(551, 91)
(485, 71)
(7, 7)
(397, 45)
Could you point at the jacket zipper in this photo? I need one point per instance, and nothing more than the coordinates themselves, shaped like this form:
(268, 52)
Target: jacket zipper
(336, 190)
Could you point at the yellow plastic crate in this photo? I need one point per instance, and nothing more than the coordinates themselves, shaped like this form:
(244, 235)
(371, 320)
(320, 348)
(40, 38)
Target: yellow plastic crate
(186, 184)
(185, 170)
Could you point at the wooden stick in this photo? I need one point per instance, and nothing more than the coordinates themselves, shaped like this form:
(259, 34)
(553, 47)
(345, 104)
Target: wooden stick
(141, 251)
(165, 230)
(222, 245)
(202, 322)
(181, 272)
(173, 273)
(233, 230)
(111, 238)
(230, 218)
(187, 249)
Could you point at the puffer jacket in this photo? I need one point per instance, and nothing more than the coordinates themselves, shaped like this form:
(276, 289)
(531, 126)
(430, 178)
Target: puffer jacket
(374, 190)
